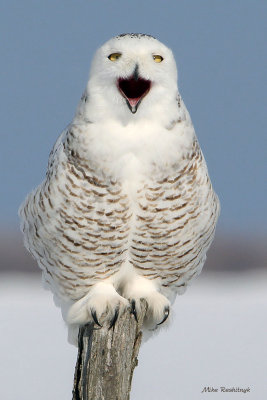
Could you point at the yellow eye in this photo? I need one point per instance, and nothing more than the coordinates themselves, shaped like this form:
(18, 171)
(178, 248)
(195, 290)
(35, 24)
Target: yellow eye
(157, 58)
(114, 56)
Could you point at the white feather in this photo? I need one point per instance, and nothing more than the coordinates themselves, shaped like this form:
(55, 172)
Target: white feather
(126, 210)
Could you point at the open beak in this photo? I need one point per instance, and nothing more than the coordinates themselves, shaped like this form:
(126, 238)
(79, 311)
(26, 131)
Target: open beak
(133, 89)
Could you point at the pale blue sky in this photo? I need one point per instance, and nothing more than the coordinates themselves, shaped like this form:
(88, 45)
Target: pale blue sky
(220, 48)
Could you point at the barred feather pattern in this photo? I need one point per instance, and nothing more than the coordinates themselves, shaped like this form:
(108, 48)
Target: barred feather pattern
(81, 226)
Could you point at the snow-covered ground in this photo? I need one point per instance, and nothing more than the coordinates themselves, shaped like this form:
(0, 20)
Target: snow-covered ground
(218, 338)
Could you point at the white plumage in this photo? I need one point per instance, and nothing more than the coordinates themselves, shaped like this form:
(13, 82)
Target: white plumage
(126, 210)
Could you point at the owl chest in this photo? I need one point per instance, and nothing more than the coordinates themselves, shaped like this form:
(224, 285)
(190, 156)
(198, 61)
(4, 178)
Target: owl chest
(153, 199)
(140, 216)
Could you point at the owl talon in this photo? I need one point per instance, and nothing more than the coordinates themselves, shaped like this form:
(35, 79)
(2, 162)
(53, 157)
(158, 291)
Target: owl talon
(133, 310)
(94, 316)
(114, 319)
(166, 314)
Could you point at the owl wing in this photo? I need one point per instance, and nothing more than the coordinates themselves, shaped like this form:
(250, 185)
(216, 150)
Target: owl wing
(75, 223)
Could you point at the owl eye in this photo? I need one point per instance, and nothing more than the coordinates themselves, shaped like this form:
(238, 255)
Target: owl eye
(157, 58)
(114, 56)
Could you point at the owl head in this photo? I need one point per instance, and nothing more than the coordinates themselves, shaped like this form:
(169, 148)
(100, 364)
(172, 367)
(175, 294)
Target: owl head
(132, 76)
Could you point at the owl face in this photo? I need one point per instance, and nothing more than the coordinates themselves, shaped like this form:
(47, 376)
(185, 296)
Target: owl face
(132, 73)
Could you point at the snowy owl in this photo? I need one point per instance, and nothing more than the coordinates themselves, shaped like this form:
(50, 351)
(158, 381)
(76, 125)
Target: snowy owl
(126, 210)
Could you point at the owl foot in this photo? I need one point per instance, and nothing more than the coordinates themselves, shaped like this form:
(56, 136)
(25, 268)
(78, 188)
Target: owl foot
(158, 305)
(102, 305)
(158, 309)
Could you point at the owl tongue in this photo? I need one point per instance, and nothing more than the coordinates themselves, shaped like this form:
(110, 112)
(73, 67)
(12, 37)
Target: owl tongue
(133, 101)
(134, 89)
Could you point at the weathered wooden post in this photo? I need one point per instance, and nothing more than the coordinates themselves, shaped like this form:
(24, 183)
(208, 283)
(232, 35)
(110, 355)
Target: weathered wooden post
(107, 358)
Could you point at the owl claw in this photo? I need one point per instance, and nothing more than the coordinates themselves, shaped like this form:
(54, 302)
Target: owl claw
(94, 316)
(133, 310)
(114, 319)
(166, 314)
